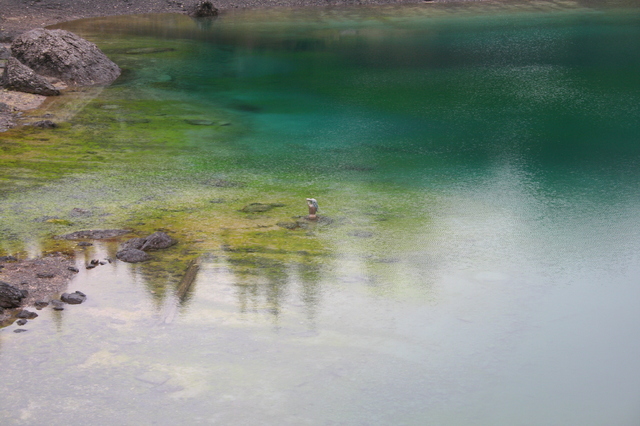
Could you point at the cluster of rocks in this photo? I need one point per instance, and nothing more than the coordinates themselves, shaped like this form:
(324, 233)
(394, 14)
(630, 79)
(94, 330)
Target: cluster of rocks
(134, 250)
(11, 298)
(41, 62)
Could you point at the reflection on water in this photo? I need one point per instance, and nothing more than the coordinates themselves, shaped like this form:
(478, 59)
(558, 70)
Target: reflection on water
(477, 257)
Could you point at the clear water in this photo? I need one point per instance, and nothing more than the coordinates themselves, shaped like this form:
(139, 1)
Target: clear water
(479, 164)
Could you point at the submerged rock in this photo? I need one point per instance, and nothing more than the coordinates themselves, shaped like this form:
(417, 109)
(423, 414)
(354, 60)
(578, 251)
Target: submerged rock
(260, 207)
(26, 314)
(57, 305)
(66, 56)
(45, 124)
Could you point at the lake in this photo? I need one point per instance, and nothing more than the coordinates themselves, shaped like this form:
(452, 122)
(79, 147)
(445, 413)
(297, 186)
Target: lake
(477, 257)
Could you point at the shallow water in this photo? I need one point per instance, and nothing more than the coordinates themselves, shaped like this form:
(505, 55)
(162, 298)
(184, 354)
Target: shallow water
(479, 167)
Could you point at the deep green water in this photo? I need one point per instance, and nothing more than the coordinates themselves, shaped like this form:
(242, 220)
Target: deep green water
(479, 165)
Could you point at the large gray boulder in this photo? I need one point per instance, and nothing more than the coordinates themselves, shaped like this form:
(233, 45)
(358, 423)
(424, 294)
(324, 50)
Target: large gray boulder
(66, 56)
(21, 78)
(10, 297)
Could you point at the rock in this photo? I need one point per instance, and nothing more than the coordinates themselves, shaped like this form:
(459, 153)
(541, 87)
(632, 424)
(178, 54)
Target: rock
(256, 208)
(157, 241)
(8, 259)
(21, 78)
(73, 269)
(41, 304)
(133, 243)
(85, 244)
(19, 330)
(66, 56)
(132, 256)
(11, 297)
(73, 298)
(26, 314)
(45, 124)
(288, 225)
(203, 9)
(361, 234)
(4, 53)
(90, 266)
(93, 234)
(57, 305)
(198, 122)
(21, 321)
(45, 275)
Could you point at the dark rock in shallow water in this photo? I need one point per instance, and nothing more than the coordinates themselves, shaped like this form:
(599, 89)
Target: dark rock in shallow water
(11, 297)
(73, 298)
(132, 256)
(21, 78)
(57, 305)
(45, 124)
(21, 321)
(64, 55)
(41, 304)
(27, 314)
(196, 122)
(73, 269)
(157, 241)
(288, 225)
(256, 208)
(19, 330)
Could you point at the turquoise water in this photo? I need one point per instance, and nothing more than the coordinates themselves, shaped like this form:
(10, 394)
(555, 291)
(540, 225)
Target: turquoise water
(479, 167)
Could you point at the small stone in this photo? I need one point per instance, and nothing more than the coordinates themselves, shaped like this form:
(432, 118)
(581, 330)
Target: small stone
(19, 330)
(90, 266)
(73, 269)
(27, 314)
(85, 244)
(153, 377)
(57, 305)
(21, 321)
(73, 298)
(45, 124)
(41, 304)
(45, 275)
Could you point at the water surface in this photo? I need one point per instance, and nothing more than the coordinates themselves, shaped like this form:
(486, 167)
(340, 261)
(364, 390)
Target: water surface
(478, 167)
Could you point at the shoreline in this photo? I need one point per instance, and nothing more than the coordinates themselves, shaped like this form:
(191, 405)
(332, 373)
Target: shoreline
(14, 21)
(16, 18)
